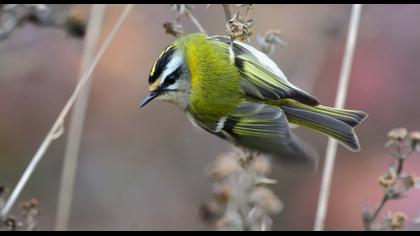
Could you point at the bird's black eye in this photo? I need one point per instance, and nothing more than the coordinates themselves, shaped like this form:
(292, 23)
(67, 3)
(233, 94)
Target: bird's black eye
(170, 79)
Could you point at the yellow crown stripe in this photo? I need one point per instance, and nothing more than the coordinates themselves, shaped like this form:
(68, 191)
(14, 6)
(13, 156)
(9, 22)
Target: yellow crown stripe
(161, 54)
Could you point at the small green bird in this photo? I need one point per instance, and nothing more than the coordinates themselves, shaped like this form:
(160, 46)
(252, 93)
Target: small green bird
(236, 92)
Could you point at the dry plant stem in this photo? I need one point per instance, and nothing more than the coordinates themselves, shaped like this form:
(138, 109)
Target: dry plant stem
(242, 201)
(339, 103)
(376, 213)
(228, 13)
(385, 198)
(58, 124)
(195, 22)
(65, 194)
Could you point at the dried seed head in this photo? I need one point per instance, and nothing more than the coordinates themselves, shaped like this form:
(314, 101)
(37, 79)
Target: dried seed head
(266, 199)
(211, 211)
(270, 41)
(39, 14)
(261, 165)
(415, 140)
(397, 135)
(389, 179)
(225, 165)
(29, 205)
(231, 220)
(408, 181)
(173, 28)
(239, 30)
(222, 193)
(398, 220)
(75, 24)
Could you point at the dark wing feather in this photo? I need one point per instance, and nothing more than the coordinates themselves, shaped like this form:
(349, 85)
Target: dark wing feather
(262, 128)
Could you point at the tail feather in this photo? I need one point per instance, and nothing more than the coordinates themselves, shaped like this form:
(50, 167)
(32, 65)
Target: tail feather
(332, 122)
(350, 117)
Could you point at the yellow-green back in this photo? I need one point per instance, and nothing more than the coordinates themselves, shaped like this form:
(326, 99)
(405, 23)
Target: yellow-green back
(215, 81)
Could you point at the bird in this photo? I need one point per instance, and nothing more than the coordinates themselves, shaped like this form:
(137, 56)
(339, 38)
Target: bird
(236, 92)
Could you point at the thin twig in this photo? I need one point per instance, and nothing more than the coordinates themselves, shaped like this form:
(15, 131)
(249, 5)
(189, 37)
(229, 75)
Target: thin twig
(368, 223)
(65, 194)
(228, 13)
(339, 103)
(58, 124)
(195, 21)
(386, 197)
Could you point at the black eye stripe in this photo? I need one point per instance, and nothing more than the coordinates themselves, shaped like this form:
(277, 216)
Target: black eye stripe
(172, 77)
(161, 63)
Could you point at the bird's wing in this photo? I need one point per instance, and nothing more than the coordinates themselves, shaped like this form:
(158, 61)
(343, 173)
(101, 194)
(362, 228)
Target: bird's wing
(262, 128)
(261, 77)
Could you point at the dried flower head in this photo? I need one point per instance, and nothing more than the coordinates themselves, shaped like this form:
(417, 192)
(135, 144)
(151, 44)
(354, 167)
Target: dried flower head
(270, 41)
(231, 220)
(261, 165)
(222, 193)
(389, 179)
(28, 205)
(266, 199)
(24, 220)
(240, 199)
(397, 135)
(211, 211)
(415, 140)
(75, 24)
(39, 14)
(398, 220)
(173, 28)
(44, 15)
(407, 181)
(238, 30)
(225, 165)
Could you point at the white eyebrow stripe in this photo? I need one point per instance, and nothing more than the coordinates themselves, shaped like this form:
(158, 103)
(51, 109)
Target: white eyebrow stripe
(173, 64)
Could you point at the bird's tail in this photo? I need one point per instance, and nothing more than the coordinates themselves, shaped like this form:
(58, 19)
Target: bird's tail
(335, 123)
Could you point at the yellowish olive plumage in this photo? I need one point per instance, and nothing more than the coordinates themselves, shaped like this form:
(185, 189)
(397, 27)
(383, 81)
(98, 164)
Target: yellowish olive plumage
(222, 82)
(236, 92)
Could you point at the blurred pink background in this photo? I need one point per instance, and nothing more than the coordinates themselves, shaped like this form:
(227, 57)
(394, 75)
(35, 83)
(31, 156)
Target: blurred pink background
(145, 169)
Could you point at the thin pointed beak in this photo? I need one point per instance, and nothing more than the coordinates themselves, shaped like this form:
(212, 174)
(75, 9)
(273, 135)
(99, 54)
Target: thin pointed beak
(149, 97)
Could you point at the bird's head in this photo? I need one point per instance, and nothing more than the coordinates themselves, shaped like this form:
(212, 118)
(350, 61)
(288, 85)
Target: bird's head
(169, 78)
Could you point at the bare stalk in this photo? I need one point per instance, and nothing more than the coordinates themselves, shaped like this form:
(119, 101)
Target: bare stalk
(65, 194)
(228, 13)
(195, 21)
(339, 103)
(57, 127)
